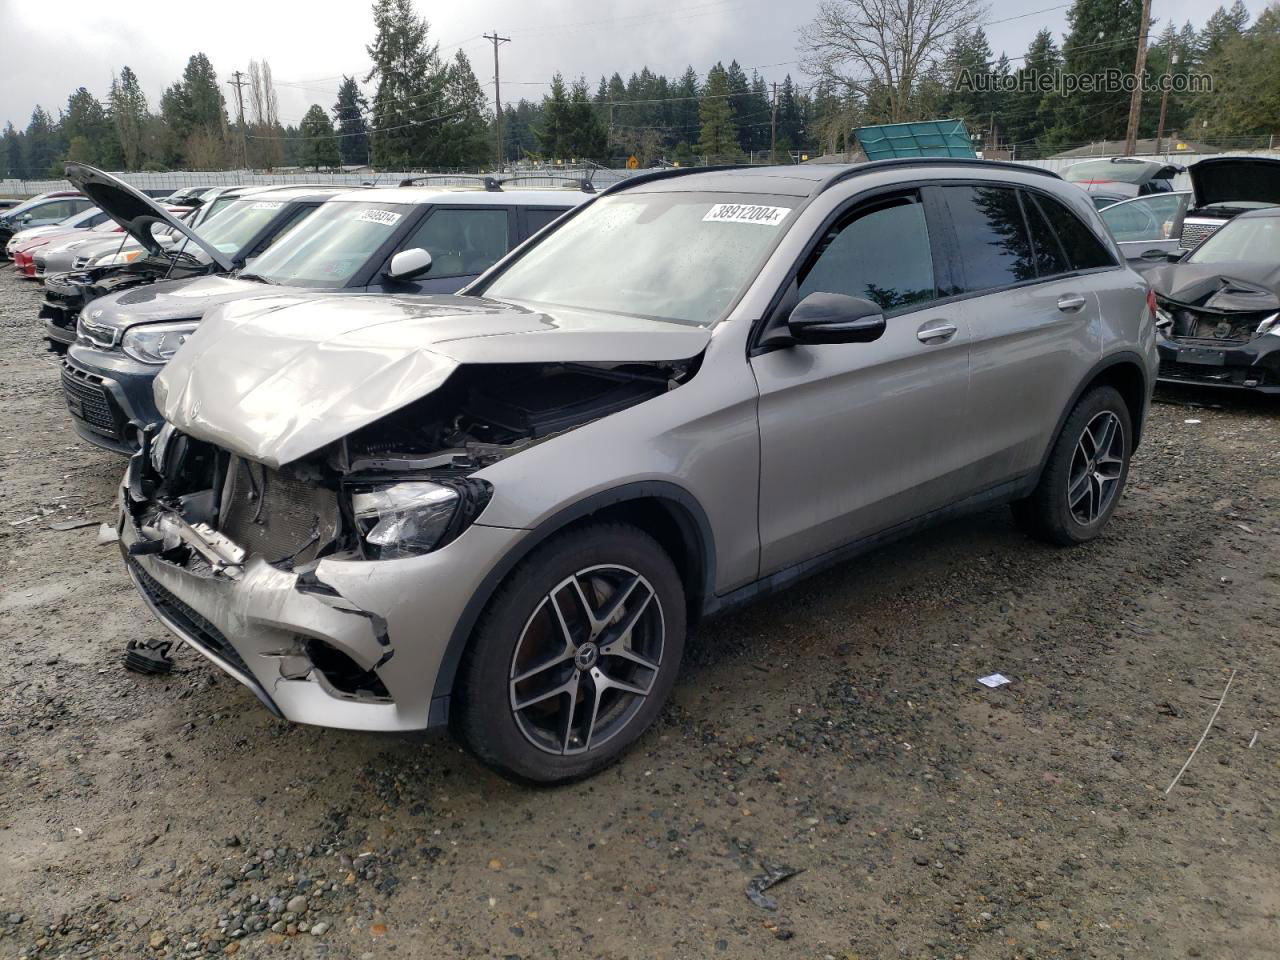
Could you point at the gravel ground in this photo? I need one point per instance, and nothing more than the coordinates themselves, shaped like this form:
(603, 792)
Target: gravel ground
(837, 729)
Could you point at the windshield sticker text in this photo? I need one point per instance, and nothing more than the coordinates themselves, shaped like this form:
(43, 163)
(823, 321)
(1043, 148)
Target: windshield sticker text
(384, 217)
(746, 213)
(268, 205)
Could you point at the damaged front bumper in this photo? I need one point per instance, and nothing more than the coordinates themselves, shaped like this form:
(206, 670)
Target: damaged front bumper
(1250, 365)
(348, 643)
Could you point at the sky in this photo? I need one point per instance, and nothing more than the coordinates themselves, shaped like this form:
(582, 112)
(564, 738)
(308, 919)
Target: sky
(309, 46)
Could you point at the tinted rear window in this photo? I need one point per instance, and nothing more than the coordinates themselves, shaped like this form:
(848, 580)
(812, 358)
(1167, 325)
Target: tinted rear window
(1050, 260)
(1083, 247)
(995, 248)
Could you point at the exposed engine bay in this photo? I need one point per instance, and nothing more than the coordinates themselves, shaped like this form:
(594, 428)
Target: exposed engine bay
(1217, 309)
(399, 486)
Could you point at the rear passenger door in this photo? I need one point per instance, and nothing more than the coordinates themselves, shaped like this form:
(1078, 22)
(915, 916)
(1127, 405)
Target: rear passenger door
(1028, 268)
(463, 241)
(858, 437)
(534, 219)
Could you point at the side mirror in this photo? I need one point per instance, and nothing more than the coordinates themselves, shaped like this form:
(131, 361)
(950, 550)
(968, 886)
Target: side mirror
(26, 218)
(408, 264)
(835, 318)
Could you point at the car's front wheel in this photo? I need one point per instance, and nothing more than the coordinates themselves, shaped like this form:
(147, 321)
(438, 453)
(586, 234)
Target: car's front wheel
(574, 656)
(1085, 473)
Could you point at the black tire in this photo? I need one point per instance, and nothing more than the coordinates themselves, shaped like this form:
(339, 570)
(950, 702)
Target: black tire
(483, 714)
(1047, 513)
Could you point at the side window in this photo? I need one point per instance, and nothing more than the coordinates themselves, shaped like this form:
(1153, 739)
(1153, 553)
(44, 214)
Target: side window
(995, 248)
(539, 217)
(1051, 261)
(57, 210)
(1085, 250)
(462, 241)
(1147, 218)
(77, 206)
(880, 253)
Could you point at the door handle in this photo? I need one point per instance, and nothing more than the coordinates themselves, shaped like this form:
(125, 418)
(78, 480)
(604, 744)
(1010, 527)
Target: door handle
(1153, 255)
(1071, 302)
(936, 332)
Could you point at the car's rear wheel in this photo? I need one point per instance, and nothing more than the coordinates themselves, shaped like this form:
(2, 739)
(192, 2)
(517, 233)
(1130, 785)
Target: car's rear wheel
(1085, 473)
(574, 656)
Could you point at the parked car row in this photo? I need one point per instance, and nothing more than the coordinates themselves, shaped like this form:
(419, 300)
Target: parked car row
(478, 457)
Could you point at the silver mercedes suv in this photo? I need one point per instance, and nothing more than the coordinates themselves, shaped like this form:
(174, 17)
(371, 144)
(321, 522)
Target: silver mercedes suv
(503, 510)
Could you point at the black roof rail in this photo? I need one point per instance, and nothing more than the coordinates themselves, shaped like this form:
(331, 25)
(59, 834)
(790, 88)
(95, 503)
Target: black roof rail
(871, 166)
(652, 175)
(490, 183)
(582, 183)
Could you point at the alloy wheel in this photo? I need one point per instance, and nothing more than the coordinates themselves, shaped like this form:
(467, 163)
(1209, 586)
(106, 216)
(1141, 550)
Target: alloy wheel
(587, 659)
(1096, 468)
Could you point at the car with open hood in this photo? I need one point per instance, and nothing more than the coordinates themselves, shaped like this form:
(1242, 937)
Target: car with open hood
(1162, 227)
(221, 242)
(398, 240)
(1113, 179)
(43, 210)
(500, 510)
(1218, 307)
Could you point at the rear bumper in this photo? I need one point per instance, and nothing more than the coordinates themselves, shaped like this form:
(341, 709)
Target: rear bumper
(257, 623)
(1253, 366)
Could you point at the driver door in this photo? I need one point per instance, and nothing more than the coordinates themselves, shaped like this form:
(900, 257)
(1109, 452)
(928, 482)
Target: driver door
(858, 437)
(464, 242)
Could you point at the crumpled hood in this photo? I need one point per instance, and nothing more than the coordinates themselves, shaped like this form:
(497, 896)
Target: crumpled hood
(1223, 287)
(274, 379)
(186, 299)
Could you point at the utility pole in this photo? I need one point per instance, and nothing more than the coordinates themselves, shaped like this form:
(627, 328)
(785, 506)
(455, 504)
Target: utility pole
(1164, 102)
(497, 96)
(239, 82)
(773, 126)
(1139, 67)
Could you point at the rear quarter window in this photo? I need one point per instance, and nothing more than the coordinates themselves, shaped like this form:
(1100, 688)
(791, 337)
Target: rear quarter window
(1081, 244)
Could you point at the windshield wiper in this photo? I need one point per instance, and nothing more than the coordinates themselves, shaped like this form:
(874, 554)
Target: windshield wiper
(258, 277)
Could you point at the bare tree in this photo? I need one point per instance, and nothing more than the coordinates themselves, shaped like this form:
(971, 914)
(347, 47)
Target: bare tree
(265, 109)
(878, 50)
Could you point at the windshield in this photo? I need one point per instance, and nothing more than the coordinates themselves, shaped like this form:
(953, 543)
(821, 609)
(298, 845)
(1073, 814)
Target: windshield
(333, 244)
(1247, 240)
(667, 256)
(239, 223)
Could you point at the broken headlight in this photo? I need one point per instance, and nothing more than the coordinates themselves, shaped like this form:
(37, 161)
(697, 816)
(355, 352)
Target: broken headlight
(411, 517)
(1270, 325)
(157, 342)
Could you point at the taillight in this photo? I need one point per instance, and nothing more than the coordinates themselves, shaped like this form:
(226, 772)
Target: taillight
(1151, 301)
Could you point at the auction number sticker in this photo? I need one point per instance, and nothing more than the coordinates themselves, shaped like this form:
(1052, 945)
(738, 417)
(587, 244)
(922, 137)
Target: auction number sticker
(746, 213)
(268, 205)
(387, 218)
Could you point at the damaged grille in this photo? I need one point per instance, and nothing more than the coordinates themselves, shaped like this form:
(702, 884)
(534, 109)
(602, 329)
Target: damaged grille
(91, 403)
(277, 516)
(192, 626)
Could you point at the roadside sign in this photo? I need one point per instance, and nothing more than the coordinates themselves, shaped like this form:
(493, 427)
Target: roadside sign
(633, 162)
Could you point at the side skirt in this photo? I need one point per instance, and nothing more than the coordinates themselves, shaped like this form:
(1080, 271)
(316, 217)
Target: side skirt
(787, 576)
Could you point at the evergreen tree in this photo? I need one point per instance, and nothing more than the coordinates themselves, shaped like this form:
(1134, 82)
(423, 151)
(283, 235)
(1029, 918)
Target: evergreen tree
(1103, 35)
(319, 145)
(739, 103)
(349, 113)
(11, 160)
(128, 106)
(86, 127)
(1245, 66)
(719, 140)
(1028, 110)
(464, 136)
(554, 132)
(587, 138)
(43, 146)
(410, 86)
(685, 120)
